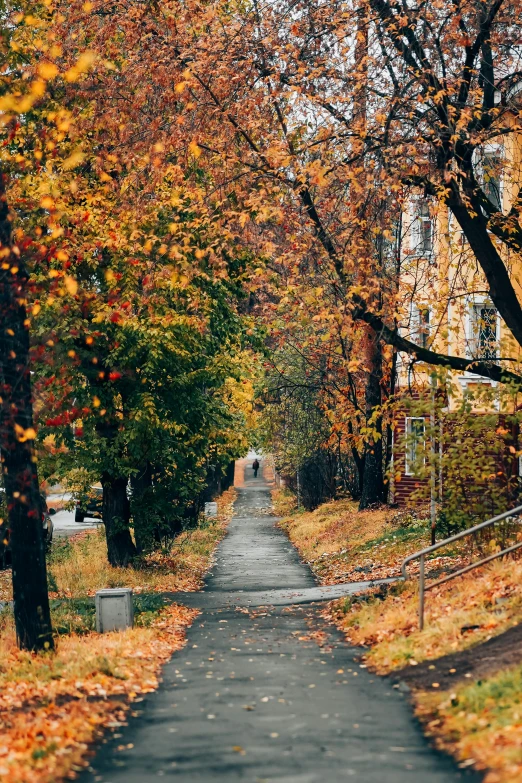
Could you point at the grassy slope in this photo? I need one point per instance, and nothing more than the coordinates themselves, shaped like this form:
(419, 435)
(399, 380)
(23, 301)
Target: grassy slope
(52, 705)
(488, 599)
(480, 722)
(342, 544)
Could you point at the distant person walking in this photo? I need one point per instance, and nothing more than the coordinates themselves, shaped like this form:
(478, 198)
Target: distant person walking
(255, 466)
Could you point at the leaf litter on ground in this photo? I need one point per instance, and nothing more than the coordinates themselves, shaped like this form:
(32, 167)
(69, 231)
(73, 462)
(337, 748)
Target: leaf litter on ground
(54, 705)
(479, 719)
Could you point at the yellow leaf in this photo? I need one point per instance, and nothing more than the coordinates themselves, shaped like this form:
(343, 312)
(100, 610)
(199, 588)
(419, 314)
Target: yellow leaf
(85, 61)
(83, 64)
(74, 159)
(24, 434)
(71, 285)
(47, 70)
(194, 150)
(38, 87)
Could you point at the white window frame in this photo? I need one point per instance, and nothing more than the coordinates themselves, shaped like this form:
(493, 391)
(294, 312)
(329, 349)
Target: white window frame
(473, 304)
(490, 148)
(415, 231)
(409, 469)
(419, 329)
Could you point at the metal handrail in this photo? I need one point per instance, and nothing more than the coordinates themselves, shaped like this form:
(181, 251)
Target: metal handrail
(421, 555)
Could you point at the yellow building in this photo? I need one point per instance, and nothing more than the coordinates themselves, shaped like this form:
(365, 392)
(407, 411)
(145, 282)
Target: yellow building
(445, 306)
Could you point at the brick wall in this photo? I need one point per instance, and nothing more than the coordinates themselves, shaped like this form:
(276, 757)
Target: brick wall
(406, 485)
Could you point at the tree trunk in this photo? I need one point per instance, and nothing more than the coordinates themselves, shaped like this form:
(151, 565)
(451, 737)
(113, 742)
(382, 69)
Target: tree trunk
(372, 491)
(358, 460)
(20, 477)
(228, 480)
(388, 456)
(141, 483)
(116, 517)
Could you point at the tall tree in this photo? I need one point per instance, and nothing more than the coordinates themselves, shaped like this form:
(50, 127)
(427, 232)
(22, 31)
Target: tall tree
(28, 47)
(20, 88)
(17, 452)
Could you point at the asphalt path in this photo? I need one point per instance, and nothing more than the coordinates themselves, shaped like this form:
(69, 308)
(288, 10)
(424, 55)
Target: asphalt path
(268, 694)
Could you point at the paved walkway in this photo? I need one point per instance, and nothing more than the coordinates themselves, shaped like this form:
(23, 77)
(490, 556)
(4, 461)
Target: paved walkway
(253, 697)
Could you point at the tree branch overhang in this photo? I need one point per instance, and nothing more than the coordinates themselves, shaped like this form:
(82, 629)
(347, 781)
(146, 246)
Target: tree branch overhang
(392, 337)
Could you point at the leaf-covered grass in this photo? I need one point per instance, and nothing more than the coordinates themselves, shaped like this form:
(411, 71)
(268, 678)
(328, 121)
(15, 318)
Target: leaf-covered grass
(342, 544)
(284, 502)
(489, 598)
(52, 705)
(480, 723)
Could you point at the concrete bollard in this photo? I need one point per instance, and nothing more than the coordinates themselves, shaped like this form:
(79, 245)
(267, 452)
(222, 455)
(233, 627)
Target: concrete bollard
(114, 609)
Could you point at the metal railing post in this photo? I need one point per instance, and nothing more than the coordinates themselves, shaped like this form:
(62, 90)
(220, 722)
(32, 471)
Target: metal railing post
(421, 593)
(515, 513)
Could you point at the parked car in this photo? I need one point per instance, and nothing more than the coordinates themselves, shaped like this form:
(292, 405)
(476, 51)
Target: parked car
(90, 505)
(47, 527)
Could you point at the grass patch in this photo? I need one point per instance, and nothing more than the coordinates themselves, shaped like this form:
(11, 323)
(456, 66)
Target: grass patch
(284, 502)
(480, 723)
(489, 598)
(343, 544)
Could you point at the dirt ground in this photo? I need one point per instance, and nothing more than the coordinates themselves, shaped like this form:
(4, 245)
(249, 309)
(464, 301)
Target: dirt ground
(473, 663)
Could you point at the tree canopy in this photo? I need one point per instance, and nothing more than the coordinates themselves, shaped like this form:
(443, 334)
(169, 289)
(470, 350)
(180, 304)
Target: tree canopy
(188, 188)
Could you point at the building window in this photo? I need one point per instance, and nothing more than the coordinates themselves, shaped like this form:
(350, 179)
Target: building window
(484, 325)
(420, 325)
(488, 164)
(422, 234)
(491, 177)
(415, 434)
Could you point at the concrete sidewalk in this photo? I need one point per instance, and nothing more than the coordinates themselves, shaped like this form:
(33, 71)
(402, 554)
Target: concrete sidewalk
(268, 695)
